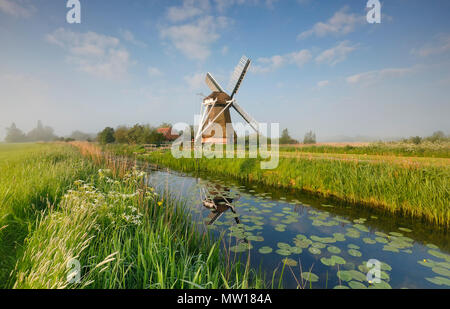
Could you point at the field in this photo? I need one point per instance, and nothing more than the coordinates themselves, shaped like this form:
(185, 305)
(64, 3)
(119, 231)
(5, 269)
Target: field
(67, 208)
(378, 176)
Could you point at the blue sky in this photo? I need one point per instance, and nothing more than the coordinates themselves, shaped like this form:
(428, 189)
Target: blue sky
(317, 65)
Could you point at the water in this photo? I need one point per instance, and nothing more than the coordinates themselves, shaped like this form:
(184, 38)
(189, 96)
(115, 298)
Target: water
(313, 235)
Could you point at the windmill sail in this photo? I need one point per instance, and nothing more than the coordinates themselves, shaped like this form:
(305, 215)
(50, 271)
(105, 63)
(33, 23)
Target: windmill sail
(213, 84)
(251, 121)
(239, 74)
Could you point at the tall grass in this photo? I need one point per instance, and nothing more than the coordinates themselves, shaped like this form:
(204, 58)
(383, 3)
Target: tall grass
(123, 235)
(426, 149)
(420, 192)
(33, 177)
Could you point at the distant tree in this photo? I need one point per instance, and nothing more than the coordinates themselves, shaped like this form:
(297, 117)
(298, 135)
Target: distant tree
(135, 135)
(416, 140)
(286, 138)
(14, 135)
(106, 136)
(437, 137)
(310, 138)
(81, 136)
(121, 135)
(41, 133)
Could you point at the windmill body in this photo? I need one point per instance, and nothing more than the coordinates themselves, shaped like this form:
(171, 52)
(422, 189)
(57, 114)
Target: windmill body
(215, 111)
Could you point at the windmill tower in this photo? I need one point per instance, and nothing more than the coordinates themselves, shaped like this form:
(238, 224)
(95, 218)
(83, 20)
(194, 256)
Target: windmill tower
(216, 107)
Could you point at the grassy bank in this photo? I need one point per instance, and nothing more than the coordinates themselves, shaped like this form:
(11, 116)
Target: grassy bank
(33, 178)
(119, 231)
(426, 149)
(420, 192)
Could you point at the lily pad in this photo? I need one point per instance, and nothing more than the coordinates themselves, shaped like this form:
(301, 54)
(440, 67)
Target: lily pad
(369, 241)
(404, 229)
(290, 262)
(356, 285)
(334, 249)
(381, 285)
(353, 246)
(284, 252)
(265, 250)
(338, 260)
(354, 252)
(439, 281)
(310, 277)
(314, 250)
(441, 271)
(327, 261)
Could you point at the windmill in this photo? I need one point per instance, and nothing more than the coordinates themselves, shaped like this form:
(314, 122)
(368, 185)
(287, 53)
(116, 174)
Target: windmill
(216, 107)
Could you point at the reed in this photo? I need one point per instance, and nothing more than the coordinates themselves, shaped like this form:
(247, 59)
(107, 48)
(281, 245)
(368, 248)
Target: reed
(417, 191)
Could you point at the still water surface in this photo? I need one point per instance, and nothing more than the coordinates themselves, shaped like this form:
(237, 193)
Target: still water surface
(324, 243)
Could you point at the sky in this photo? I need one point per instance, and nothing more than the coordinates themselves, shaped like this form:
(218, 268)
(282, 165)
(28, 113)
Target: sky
(316, 65)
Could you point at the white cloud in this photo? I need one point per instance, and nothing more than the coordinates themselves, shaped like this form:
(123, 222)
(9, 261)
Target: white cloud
(194, 39)
(17, 8)
(323, 83)
(93, 53)
(440, 45)
(195, 81)
(341, 23)
(189, 9)
(152, 71)
(129, 37)
(336, 54)
(266, 65)
(375, 76)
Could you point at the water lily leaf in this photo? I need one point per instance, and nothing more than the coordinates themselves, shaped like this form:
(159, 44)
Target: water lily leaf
(369, 241)
(361, 227)
(314, 250)
(439, 254)
(344, 275)
(255, 238)
(381, 240)
(265, 250)
(296, 250)
(283, 245)
(354, 252)
(431, 246)
(396, 234)
(284, 252)
(353, 246)
(338, 260)
(404, 229)
(341, 287)
(381, 234)
(333, 249)
(327, 262)
(310, 277)
(385, 266)
(390, 248)
(339, 236)
(290, 262)
(439, 281)
(441, 271)
(381, 285)
(326, 240)
(356, 285)
(318, 245)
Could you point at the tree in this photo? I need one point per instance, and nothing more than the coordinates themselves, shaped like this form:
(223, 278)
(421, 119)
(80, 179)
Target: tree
(286, 138)
(81, 136)
(310, 138)
(121, 134)
(41, 133)
(14, 135)
(106, 136)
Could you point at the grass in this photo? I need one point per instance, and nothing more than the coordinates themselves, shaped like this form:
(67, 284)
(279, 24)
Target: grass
(417, 191)
(33, 178)
(113, 226)
(426, 149)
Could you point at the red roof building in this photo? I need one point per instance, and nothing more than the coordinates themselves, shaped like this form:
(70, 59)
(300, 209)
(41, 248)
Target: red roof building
(167, 132)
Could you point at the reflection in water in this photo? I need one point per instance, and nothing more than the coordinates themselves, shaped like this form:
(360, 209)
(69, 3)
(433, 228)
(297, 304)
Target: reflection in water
(218, 199)
(333, 241)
